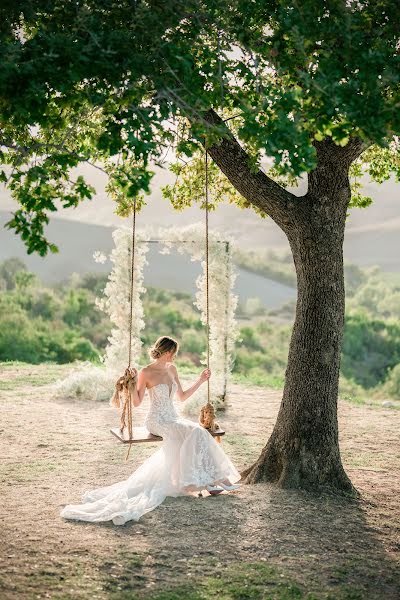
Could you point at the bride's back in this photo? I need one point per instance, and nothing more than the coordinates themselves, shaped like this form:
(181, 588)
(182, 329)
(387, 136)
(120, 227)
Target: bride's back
(155, 375)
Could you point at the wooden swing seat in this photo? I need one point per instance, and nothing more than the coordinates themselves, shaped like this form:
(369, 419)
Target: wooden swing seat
(141, 434)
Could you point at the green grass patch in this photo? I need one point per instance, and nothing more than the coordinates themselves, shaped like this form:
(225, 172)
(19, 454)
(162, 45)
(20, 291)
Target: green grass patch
(29, 470)
(59, 583)
(250, 581)
(256, 378)
(19, 374)
(244, 447)
(359, 400)
(238, 581)
(354, 459)
(207, 579)
(275, 382)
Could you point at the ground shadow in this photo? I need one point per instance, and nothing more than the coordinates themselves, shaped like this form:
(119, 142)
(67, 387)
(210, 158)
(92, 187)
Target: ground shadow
(324, 542)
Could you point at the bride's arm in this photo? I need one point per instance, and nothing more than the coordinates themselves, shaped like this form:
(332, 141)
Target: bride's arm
(140, 387)
(183, 395)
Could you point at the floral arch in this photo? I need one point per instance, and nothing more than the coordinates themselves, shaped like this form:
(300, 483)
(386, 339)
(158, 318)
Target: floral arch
(189, 240)
(222, 301)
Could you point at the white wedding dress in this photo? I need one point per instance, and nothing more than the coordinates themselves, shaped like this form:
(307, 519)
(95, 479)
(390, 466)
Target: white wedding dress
(188, 460)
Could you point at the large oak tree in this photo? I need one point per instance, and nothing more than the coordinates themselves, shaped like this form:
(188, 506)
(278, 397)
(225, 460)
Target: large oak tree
(314, 87)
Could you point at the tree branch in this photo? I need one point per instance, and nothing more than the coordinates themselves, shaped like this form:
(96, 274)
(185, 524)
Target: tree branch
(328, 150)
(259, 189)
(332, 170)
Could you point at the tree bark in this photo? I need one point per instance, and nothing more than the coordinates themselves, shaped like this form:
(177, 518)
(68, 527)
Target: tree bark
(303, 449)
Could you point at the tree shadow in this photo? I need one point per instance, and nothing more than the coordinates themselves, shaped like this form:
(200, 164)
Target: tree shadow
(323, 541)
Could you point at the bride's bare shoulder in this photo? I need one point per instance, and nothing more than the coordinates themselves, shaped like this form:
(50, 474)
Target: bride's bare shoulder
(145, 374)
(146, 370)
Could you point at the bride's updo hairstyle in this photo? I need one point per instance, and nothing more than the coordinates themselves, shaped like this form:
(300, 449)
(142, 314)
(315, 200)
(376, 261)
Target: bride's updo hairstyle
(162, 345)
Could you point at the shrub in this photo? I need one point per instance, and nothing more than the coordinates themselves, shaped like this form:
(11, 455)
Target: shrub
(392, 385)
(370, 348)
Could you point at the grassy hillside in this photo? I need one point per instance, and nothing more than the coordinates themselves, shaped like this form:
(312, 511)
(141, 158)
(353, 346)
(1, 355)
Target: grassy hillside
(61, 324)
(371, 237)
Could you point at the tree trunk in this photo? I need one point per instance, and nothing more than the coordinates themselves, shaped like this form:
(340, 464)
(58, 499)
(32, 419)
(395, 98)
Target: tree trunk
(303, 449)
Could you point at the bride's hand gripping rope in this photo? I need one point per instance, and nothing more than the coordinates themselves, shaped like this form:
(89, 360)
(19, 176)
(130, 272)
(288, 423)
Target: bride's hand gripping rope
(206, 374)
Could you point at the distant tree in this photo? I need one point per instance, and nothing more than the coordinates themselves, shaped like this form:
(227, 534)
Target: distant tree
(24, 280)
(392, 386)
(354, 277)
(78, 306)
(254, 306)
(8, 270)
(371, 347)
(35, 341)
(46, 304)
(95, 282)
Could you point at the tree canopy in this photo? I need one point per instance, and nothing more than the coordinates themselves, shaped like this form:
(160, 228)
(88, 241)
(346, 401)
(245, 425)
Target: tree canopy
(125, 84)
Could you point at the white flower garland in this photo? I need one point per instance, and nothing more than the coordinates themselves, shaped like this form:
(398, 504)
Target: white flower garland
(222, 305)
(222, 302)
(116, 300)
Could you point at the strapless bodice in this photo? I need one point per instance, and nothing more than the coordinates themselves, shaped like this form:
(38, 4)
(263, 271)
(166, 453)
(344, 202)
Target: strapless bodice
(162, 409)
(157, 389)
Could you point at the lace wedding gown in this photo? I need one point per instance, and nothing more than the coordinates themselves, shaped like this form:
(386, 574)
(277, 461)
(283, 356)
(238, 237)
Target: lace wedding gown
(188, 460)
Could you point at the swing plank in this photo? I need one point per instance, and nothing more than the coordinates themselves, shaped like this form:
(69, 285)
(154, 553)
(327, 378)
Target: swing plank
(141, 434)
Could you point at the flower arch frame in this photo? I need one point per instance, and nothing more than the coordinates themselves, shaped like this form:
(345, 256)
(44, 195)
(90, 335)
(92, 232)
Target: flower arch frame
(187, 240)
(223, 331)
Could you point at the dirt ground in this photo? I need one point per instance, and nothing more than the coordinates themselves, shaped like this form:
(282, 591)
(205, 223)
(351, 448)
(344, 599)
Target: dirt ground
(259, 542)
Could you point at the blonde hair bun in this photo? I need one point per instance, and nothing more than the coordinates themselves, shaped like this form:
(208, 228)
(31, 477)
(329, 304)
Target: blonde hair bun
(162, 345)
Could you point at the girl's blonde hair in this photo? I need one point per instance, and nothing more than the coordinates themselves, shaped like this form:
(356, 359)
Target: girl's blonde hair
(162, 345)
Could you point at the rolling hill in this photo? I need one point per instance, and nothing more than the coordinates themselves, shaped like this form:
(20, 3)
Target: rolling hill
(372, 237)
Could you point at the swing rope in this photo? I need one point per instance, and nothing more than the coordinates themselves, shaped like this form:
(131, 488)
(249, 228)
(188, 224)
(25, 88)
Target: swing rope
(129, 403)
(207, 412)
(126, 384)
(207, 291)
(132, 271)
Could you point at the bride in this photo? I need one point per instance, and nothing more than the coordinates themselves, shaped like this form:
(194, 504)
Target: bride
(188, 461)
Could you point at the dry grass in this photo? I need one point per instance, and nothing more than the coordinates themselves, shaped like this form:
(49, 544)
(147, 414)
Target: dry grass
(258, 543)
